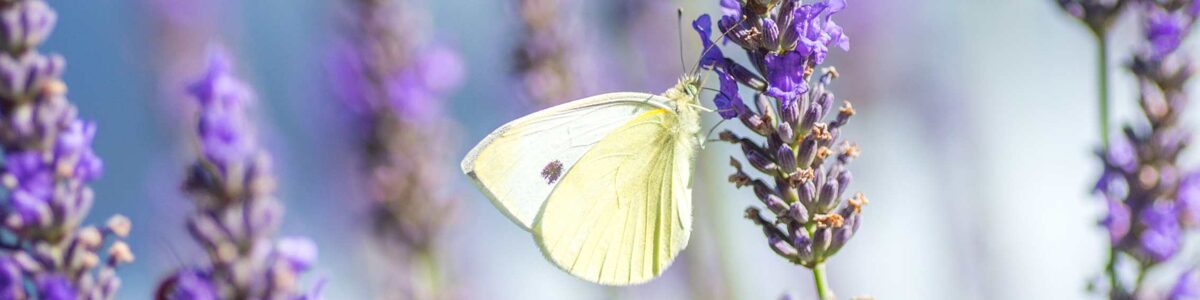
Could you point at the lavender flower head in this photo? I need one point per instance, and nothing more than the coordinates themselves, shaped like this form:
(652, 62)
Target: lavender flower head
(236, 212)
(1141, 167)
(547, 61)
(1152, 201)
(803, 161)
(394, 82)
(47, 166)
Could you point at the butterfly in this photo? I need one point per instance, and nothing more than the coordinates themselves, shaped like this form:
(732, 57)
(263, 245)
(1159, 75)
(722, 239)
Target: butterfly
(603, 183)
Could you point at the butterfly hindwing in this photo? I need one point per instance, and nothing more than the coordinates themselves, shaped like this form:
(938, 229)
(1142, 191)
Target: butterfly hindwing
(519, 164)
(618, 215)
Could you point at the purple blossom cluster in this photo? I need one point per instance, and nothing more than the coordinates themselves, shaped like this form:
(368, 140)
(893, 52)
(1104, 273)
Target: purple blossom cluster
(47, 166)
(1152, 201)
(803, 161)
(394, 82)
(236, 212)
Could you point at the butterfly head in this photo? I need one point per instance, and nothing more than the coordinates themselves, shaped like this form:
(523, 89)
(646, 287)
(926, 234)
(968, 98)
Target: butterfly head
(686, 93)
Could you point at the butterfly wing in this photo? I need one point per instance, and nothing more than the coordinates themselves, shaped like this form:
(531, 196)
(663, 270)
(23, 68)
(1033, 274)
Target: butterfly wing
(623, 212)
(519, 164)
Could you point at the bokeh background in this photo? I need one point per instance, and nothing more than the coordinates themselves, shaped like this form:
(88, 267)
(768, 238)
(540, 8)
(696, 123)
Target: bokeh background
(976, 119)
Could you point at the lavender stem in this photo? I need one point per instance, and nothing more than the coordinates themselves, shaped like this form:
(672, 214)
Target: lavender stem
(822, 283)
(1102, 77)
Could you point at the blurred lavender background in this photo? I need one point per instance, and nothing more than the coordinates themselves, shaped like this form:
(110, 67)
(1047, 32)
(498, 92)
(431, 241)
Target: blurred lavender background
(977, 118)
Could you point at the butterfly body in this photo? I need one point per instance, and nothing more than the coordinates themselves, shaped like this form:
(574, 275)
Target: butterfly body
(603, 183)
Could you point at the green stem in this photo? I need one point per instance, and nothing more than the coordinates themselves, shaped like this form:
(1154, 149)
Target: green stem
(428, 282)
(1110, 268)
(1141, 277)
(1115, 289)
(1102, 77)
(823, 290)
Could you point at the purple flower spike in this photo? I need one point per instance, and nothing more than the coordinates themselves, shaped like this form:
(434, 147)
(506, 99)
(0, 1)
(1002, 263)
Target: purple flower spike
(394, 82)
(47, 167)
(232, 185)
(796, 143)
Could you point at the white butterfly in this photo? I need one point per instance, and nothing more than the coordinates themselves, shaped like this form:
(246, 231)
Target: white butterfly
(603, 183)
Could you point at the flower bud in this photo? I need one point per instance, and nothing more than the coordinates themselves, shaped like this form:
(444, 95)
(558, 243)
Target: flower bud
(762, 191)
(806, 153)
(788, 36)
(825, 104)
(770, 33)
(754, 122)
(776, 239)
(808, 194)
(821, 240)
(787, 159)
(758, 159)
(827, 196)
(785, 134)
(776, 204)
(811, 115)
(841, 236)
(843, 180)
(747, 77)
(798, 213)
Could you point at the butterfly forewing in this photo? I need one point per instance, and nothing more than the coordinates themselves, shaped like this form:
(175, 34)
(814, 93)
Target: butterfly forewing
(519, 165)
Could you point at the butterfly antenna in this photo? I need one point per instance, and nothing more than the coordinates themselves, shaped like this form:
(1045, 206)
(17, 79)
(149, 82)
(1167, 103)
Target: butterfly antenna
(679, 31)
(717, 40)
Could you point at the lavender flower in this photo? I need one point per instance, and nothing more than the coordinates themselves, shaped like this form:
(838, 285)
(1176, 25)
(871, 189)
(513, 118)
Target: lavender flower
(236, 212)
(1152, 201)
(547, 61)
(393, 82)
(803, 158)
(47, 166)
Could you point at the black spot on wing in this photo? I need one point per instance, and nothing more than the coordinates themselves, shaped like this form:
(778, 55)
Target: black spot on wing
(552, 171)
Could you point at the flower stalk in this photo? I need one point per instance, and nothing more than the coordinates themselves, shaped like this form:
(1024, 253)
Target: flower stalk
(1151, 200)
(48, 165)
(232, 186)
(393, 80)
(796, 147)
